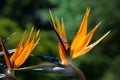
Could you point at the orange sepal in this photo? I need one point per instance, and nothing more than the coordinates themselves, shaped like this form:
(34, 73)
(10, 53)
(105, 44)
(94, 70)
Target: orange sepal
(28, 47)
(79, 37)
(62, 53)
(78, 52)
(18, 49)
(62, 33)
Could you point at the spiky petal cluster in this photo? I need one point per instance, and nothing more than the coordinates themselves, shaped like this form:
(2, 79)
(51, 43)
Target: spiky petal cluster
(80, 42)
(22, 51)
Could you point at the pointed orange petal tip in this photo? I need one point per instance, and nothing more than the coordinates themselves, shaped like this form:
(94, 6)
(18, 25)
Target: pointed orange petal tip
(88, 11)
(78, 51)
(28, 47)
(87, 49)
(97, 25)
(19, 48)
(82, 31)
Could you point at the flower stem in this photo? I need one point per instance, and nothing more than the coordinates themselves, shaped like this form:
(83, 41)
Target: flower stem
(79, 73)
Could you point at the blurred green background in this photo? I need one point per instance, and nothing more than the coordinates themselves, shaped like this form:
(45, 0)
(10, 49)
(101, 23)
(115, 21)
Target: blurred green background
(101, 63)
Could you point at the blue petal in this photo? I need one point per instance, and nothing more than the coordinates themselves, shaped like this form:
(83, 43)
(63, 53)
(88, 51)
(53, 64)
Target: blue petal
(50, 59)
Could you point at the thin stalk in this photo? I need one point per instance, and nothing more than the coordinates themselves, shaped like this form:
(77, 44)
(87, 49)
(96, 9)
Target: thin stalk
(33, 67)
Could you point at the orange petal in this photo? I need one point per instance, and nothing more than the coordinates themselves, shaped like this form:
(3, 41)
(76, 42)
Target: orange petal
(78, 51)
(58, 27)
(62, 53)
(24, 54)
(18, 49)
(78, 39)
(26, 50)
(5, 54)
(87, 49)
(62, 33)
(29, 37)
(36, 40)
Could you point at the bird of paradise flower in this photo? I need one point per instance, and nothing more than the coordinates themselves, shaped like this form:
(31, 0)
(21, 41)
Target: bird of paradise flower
(79, 44)
(21, 53)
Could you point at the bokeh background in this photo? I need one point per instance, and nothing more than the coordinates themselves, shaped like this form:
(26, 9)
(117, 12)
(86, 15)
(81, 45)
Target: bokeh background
(101, 63)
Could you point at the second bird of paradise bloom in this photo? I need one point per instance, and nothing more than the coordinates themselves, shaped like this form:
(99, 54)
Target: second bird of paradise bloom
(22, 51)
(80, 44)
